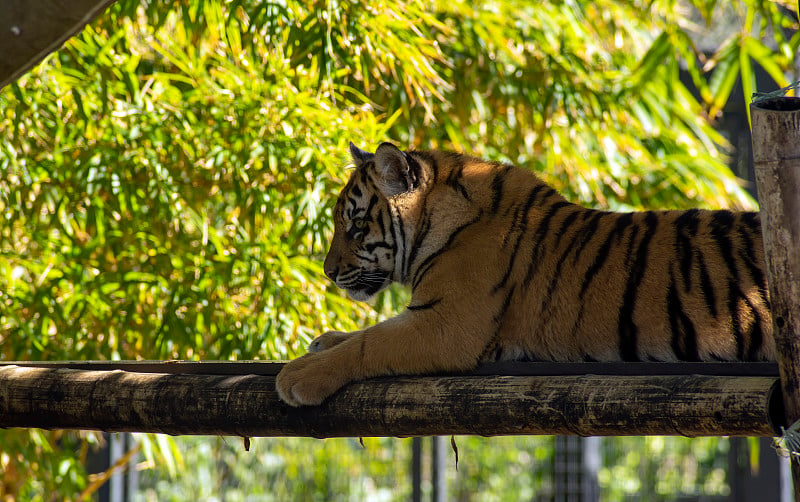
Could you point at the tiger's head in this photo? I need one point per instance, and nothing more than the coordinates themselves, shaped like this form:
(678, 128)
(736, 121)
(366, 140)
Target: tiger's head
(367, 240)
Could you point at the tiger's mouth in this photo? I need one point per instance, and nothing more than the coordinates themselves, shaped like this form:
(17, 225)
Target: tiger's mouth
(365, 285)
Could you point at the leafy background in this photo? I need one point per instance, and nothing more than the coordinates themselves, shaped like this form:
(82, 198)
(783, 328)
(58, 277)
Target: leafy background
(166, 181)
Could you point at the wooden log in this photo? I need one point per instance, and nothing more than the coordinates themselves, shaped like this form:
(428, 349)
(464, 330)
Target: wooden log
(776, 157)
(32, 29)
(248, 405)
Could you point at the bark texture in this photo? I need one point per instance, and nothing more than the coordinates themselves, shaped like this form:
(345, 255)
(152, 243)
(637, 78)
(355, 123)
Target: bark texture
(776, 157)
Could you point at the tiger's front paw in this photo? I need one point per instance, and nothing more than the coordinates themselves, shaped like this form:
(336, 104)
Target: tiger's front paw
(309, 380)
(328, 340)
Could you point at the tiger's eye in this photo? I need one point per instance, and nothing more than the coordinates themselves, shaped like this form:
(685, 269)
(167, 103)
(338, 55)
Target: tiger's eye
(357, 228)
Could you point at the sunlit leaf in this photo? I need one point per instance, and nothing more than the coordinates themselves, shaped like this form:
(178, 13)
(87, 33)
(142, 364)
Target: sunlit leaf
(726, 72)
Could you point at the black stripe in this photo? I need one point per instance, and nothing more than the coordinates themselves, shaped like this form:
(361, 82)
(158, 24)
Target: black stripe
(414, 169)
(400, 240)
(685, 229)
(558, 269)
(422, 233)
(381, 224)
(628, 331)
(568, 221)
(523, 226)
(756, 273)
(756, 334)
(425, 306)
(353, 210)
(462, 190)
(558, 272)
(530, 201)
(498, 318)
(684, 334)
(709, 293)
(387, 234)
(371, 247)
(426, 264)
(721, 224)
(753, 221)
(372, 201)
(586, 234)
(434, 167)
(428, 158)
(511, 260)
(534, 195)
(538, 244)
(454, 179)
(733, 300)
(550, 192)
(748, 254)
(622, 223)
(514, 224)
(673, 309)
(497, 187)
(367, 257)
(356, 191)
(631, 243)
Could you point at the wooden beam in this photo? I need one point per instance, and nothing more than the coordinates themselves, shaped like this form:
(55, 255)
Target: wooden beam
(776, 157)
(32, 29)
(54, 397)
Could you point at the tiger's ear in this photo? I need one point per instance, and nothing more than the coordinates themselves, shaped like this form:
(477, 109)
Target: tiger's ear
(359, 155)
(395, 175)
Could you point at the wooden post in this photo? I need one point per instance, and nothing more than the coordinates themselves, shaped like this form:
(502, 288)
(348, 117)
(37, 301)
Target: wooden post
(32, 29)
(776, 156)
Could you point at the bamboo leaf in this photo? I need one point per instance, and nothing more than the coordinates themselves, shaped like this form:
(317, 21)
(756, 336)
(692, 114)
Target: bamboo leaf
(748, 79)
(726, 72)
(765, 58)
(659, 51)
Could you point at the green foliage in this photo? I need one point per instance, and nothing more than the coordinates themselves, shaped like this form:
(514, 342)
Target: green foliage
(166, 178)
(658, 468)
(489, 469)
(287, 469)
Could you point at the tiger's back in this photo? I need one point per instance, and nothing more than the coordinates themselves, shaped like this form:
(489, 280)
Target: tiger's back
(502, 267)
(579, 284)
(650, 286)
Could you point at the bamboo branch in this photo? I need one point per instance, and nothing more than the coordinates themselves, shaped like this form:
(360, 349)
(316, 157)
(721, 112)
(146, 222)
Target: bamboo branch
(247, 405)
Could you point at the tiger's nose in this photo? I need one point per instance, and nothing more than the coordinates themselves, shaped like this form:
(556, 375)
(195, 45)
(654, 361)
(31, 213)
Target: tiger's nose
(331, 271)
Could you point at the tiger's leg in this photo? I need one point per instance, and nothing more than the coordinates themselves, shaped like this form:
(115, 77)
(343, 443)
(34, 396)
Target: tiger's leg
(414, 342)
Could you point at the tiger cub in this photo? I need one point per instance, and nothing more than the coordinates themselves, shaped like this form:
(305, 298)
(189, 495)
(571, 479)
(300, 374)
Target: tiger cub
(502, 267)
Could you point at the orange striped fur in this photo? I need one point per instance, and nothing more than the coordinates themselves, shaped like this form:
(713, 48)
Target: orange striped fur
(502, 267)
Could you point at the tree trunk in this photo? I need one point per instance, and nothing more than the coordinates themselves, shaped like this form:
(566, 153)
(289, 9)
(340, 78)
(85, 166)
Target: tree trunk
(776, 156)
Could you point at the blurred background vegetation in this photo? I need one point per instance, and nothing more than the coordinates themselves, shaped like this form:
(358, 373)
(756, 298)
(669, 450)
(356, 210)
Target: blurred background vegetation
(166, 180)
